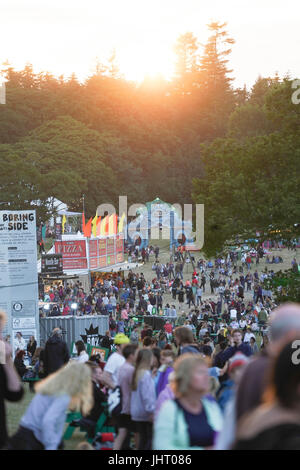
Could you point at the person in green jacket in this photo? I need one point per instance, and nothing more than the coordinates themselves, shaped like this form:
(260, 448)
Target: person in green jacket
(192, 419)
(180, 319)
(262, 316)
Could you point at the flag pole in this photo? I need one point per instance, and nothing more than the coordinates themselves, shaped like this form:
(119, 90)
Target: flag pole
(83, 208)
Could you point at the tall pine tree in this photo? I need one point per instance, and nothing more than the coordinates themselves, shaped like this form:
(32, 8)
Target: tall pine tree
(187, 64)
(216, 90)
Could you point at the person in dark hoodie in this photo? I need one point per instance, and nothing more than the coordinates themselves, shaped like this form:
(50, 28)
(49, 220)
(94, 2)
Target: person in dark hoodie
(184, 339)
(56, 352)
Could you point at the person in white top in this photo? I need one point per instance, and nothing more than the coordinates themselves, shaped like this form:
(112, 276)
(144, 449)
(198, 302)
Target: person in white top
(19, 342)
(115, 361)
(82, 355)
(173, 312)
(149, 308)
(248, 335)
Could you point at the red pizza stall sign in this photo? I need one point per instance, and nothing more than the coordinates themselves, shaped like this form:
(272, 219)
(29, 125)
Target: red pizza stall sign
(102, 247)
(93, 247)
(102, 262)
(119, 245)
(93, 250)
(119, 258)
(71, 249)
(110, 246)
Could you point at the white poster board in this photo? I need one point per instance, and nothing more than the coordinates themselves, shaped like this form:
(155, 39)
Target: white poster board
(18, 273)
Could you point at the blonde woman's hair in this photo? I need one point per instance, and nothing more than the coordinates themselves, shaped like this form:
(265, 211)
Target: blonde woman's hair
(184, 368)
(214, 386)
(74, 380)
(143, 363)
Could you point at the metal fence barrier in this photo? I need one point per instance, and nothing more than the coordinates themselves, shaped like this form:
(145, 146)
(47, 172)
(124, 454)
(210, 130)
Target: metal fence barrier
(87, 328)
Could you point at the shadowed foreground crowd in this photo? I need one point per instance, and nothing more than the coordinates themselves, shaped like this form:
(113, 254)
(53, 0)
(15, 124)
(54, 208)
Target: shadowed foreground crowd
(187, 395)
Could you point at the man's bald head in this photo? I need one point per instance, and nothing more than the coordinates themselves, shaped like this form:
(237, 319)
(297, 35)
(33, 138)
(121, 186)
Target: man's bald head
(285, 322)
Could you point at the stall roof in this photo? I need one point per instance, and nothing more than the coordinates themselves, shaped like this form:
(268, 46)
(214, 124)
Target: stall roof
(53, 277)
(108, 269)
(68, 213)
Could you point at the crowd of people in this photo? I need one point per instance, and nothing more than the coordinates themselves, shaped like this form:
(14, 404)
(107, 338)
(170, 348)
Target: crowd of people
(225, 281)
(218, 374)
(190, 393)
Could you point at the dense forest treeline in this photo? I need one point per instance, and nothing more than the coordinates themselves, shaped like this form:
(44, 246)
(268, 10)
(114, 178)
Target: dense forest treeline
(195, 138)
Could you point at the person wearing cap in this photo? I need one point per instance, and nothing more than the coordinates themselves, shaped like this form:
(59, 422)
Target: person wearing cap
(115, 361)
(227, 401)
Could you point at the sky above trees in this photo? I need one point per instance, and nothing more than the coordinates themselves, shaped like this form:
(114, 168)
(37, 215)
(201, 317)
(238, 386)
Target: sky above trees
(65, 36)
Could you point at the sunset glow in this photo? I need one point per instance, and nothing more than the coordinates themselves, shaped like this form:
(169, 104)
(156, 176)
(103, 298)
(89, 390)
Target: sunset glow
(65, 36)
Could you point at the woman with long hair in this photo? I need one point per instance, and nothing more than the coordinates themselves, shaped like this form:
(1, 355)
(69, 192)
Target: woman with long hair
(162, 339)
(19, 363)
(143, 398)
(184, 340)
(41, 427)
(31, 346)
(191, 420)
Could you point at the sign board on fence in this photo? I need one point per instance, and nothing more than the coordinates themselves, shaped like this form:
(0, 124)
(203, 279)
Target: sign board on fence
(103, 352)
(91, 350)
(18, 273)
